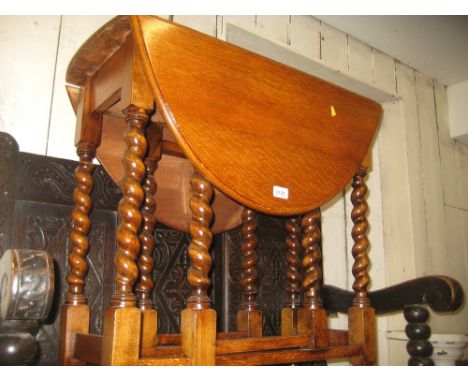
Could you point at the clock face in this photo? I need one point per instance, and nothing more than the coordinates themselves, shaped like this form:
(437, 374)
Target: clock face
(6, 269)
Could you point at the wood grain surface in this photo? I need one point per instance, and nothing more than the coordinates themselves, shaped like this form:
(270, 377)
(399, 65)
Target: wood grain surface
(248, 123)
(173, 179)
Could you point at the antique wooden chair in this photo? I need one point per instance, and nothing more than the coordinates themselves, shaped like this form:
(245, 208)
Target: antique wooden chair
(245, 134)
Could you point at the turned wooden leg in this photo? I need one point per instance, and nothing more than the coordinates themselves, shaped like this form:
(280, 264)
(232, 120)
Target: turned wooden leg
(198, 320)
(126, 269)
(418, 331)
(361, 243)
(312, 317)
(361, 316)
(122, 320)
(81, 227)
(289, 319)
(145, 286)
(249, 317)
(75, 313)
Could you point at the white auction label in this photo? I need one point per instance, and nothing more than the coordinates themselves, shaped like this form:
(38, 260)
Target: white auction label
(280, 192)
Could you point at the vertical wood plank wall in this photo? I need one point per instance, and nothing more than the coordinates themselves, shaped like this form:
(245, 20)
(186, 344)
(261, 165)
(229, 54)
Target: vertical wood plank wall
(418, 199)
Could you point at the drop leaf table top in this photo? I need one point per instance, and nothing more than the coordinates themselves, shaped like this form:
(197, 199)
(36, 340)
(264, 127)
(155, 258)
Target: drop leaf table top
(267, 136)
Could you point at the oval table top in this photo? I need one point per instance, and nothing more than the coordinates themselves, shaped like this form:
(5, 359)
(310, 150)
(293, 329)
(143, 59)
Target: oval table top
(267, 136)
(271, 137)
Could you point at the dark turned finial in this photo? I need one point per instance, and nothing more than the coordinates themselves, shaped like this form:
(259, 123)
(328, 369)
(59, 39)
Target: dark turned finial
(418, 331)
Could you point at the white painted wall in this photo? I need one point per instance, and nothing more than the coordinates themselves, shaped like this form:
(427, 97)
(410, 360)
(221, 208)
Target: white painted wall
(418, 200)
(458, 111)
(411, 39)
(27, 72)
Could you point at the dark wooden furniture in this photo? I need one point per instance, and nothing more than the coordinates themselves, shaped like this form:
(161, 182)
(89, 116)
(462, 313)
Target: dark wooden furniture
(229, 133)
(36, 203)
(26, 296)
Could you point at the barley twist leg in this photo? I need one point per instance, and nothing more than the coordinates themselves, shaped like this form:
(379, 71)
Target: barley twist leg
(126, 269)
(361, 243)
(312, 259)
(293, 287)
(250, 259)
(202, 215)
(81, 227)
(145, 285)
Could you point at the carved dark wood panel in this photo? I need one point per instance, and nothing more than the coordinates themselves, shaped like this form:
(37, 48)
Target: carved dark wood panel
(170, 275)
(171, 287)
(47, 226)
(51, 180)
(271, 267)
(8, 154)
(35, 207)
